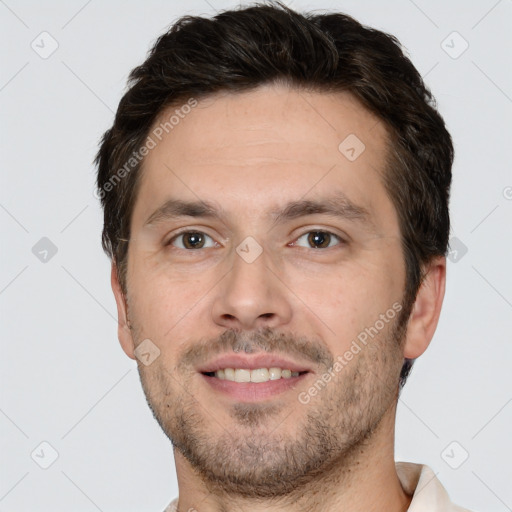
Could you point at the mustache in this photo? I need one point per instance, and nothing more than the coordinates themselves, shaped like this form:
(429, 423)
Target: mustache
(262, 340)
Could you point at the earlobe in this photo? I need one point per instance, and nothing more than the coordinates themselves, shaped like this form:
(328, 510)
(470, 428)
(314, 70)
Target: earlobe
(123, 330)
(427, 309)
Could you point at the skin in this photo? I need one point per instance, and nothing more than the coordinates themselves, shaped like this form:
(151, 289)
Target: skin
(250, 153)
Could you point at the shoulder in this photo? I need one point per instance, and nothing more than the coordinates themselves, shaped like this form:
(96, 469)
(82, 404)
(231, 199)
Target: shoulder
(173, 506)
(420, 482)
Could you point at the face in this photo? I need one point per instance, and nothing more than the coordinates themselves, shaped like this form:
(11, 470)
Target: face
(262, 237)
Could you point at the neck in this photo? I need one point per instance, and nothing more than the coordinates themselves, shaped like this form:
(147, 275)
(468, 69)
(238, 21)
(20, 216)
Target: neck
(364, 481)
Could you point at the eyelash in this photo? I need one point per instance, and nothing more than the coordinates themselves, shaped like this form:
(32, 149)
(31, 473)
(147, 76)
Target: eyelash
(341, 241)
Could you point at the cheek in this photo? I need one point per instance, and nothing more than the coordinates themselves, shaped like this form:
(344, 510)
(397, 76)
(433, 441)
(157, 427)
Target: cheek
(351, 297)
(163, 305)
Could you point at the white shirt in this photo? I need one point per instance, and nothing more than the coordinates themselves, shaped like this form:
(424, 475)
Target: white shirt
(418, 480)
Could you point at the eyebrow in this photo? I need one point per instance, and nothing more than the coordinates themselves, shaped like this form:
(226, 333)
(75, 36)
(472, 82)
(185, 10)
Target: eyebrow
(336, 205)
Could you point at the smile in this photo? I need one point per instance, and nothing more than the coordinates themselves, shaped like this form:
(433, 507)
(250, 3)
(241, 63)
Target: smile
(256, 375)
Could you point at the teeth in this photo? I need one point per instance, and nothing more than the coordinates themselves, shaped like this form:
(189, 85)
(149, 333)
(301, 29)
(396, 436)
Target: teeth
(275, 373)
(258, 375)
(242, 375)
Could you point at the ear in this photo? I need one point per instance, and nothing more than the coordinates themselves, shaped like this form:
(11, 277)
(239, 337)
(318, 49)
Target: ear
(427, 309)
(123, 331)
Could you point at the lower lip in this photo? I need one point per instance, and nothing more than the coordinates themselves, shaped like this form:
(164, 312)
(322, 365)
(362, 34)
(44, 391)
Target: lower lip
(253, 391)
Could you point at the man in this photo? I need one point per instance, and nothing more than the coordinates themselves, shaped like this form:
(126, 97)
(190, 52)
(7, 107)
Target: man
(275, 189)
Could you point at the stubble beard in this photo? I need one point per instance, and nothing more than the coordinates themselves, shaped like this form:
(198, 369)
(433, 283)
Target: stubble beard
(255, 455)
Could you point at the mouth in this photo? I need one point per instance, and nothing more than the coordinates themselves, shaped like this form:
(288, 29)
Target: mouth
(252, 378)
(257, 375)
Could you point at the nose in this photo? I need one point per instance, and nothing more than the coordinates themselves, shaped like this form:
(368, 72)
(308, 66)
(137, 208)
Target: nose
(251, 296)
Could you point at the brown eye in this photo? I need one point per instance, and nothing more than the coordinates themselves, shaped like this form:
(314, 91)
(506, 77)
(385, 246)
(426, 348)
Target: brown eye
(190, 240)
(320, 239)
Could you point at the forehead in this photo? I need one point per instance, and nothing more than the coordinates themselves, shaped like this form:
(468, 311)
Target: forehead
(270, 116)
(269, 145)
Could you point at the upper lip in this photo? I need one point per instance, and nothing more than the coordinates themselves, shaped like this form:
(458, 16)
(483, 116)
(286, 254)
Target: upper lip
(252, 362)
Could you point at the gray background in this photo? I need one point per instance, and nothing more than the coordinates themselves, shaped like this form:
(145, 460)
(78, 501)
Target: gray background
(64, 378)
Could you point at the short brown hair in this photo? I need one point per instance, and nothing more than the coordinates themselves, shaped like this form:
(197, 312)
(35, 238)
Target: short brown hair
(239, 50)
